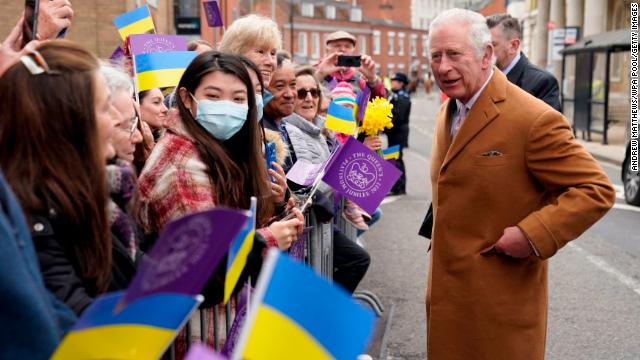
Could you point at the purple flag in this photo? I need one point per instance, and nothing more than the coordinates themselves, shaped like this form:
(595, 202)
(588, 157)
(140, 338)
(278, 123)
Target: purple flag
(152, 43)
(304, 173)
(186, 253)
(362, 101)
(117, 55)
(199, 351)
(361, 175)
(212, 11)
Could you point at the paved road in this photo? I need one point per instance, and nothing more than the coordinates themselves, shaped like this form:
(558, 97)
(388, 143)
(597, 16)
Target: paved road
(594, 302)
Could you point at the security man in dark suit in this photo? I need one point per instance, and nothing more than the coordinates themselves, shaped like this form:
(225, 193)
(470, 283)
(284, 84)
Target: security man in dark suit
(399, 133)
(505, 37)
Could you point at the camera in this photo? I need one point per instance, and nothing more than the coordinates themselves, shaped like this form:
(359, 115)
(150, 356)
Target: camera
(349, 60)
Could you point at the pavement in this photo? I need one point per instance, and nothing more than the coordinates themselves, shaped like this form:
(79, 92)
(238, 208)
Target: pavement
(614, 151)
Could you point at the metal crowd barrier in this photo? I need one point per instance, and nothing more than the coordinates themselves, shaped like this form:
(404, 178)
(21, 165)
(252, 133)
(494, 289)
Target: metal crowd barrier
(318, 253)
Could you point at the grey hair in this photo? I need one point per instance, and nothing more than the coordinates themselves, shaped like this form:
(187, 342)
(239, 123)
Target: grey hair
(478, 31)
(117, 79)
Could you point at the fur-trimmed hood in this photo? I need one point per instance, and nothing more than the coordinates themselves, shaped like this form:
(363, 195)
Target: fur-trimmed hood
(282, 150)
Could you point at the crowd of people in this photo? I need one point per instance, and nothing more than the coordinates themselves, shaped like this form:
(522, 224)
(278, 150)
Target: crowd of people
(94, 171)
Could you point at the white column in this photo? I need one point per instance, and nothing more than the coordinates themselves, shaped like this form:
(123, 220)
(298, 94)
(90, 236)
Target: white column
(541, 34)
(575, 9)
(595, 17)
(556, 15)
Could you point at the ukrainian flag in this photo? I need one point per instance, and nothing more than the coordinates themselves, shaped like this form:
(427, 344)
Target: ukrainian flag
(158, 70)
(136, 21)
(392, 152)
(340, 118)
(142, 330)
(299, 315)
(239, 251)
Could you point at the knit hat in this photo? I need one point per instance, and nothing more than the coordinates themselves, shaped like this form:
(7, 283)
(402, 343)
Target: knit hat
(343, 94)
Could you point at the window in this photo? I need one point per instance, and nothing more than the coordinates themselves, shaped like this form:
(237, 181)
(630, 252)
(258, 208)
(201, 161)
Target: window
(413, 47)
(376, 42)
(392, 36)
(356, 15)
(401, 44)
(377, 68)
(331, 12)
(315, 45)
(307, 9)
(362, 41)
(390, 70)
(400, 67)
(302, 43)
(425, 48)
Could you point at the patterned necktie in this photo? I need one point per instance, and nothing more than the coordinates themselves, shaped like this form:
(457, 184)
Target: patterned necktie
(462, 113)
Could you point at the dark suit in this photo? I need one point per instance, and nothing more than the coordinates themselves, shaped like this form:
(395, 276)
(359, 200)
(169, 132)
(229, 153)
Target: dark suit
(399, 133)
(535, 81)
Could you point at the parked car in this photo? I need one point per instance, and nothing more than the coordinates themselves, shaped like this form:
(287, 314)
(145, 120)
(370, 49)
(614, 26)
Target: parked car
(630, 179)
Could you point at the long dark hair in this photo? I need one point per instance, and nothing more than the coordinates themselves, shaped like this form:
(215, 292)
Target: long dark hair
(50, 154)
(236, 166)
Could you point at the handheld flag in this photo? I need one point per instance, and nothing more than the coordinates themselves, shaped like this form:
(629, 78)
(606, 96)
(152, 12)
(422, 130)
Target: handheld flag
(288, 321)
(360, 174)
(187, 253)
(362, 101)
(155, 43)
(340, 119)
(136, 21)
(212, 12)
(143, 330)
(158, 70)
(239, 251)
(392, 152)
(304, 173)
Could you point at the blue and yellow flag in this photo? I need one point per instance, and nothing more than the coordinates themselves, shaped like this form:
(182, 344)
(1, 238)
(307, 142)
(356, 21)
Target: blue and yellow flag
(340, 118)
(136, 21)
(144, 329)
(161, 69)
(299, 315)
(239, 251)
(392, 152)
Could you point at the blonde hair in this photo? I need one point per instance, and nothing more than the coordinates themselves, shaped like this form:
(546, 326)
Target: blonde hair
(248, 31)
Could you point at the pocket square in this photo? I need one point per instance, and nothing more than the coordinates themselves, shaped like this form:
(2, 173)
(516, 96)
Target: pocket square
(492, 153)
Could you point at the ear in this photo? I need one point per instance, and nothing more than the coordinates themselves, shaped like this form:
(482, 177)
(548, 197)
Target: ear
(488, 56)
(515, 45)
(186, 99)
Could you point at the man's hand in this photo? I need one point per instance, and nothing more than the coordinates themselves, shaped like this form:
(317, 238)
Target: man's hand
(514, 243)
(328, 65)
(373, 142)
(368, 69)
(10, 51)
(53, 17)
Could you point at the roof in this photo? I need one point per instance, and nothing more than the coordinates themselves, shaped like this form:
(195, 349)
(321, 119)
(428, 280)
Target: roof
(618, 40)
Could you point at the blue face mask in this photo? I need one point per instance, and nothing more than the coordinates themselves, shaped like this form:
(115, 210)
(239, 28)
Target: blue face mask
(259, 106)
(222, 118)
(267, 97)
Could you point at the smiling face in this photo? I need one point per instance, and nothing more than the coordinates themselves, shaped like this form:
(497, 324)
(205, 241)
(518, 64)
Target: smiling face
(152, 109)
(307, 105)
(459, 71)
(216, 86)
(126, 134)
(264, 59)
(283, 89)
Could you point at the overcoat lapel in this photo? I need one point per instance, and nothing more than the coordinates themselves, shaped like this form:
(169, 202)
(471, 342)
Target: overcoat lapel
(483, 112)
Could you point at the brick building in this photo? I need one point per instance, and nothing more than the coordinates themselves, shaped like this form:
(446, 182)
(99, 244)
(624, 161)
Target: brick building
(387, 35)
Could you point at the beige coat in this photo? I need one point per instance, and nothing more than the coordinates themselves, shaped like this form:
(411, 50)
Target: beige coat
(481, 305)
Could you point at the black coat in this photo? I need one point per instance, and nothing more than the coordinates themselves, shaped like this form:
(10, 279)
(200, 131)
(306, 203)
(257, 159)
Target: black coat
(535, 81)
(53, 239)
(399, 133)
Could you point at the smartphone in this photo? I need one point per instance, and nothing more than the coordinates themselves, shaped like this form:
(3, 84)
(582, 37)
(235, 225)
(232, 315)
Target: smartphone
(270, 155)
(30, 26)
(349, 60)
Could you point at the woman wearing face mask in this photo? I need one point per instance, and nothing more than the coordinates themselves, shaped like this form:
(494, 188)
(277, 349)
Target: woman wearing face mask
(212, 155)
(153, 111)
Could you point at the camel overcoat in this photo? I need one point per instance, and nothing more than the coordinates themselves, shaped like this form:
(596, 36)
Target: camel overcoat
(513, 162)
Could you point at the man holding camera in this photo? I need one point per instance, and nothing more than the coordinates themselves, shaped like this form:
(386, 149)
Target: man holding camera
(341, 64)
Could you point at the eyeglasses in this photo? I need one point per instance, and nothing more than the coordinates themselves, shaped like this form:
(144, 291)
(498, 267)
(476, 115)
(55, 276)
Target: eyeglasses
(302, 93)
(130, 126)
(36, 64)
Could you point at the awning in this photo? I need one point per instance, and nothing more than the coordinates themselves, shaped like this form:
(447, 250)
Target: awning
(619, 40)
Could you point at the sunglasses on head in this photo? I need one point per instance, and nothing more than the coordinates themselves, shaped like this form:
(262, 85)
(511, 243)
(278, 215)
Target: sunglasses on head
(302, 93)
